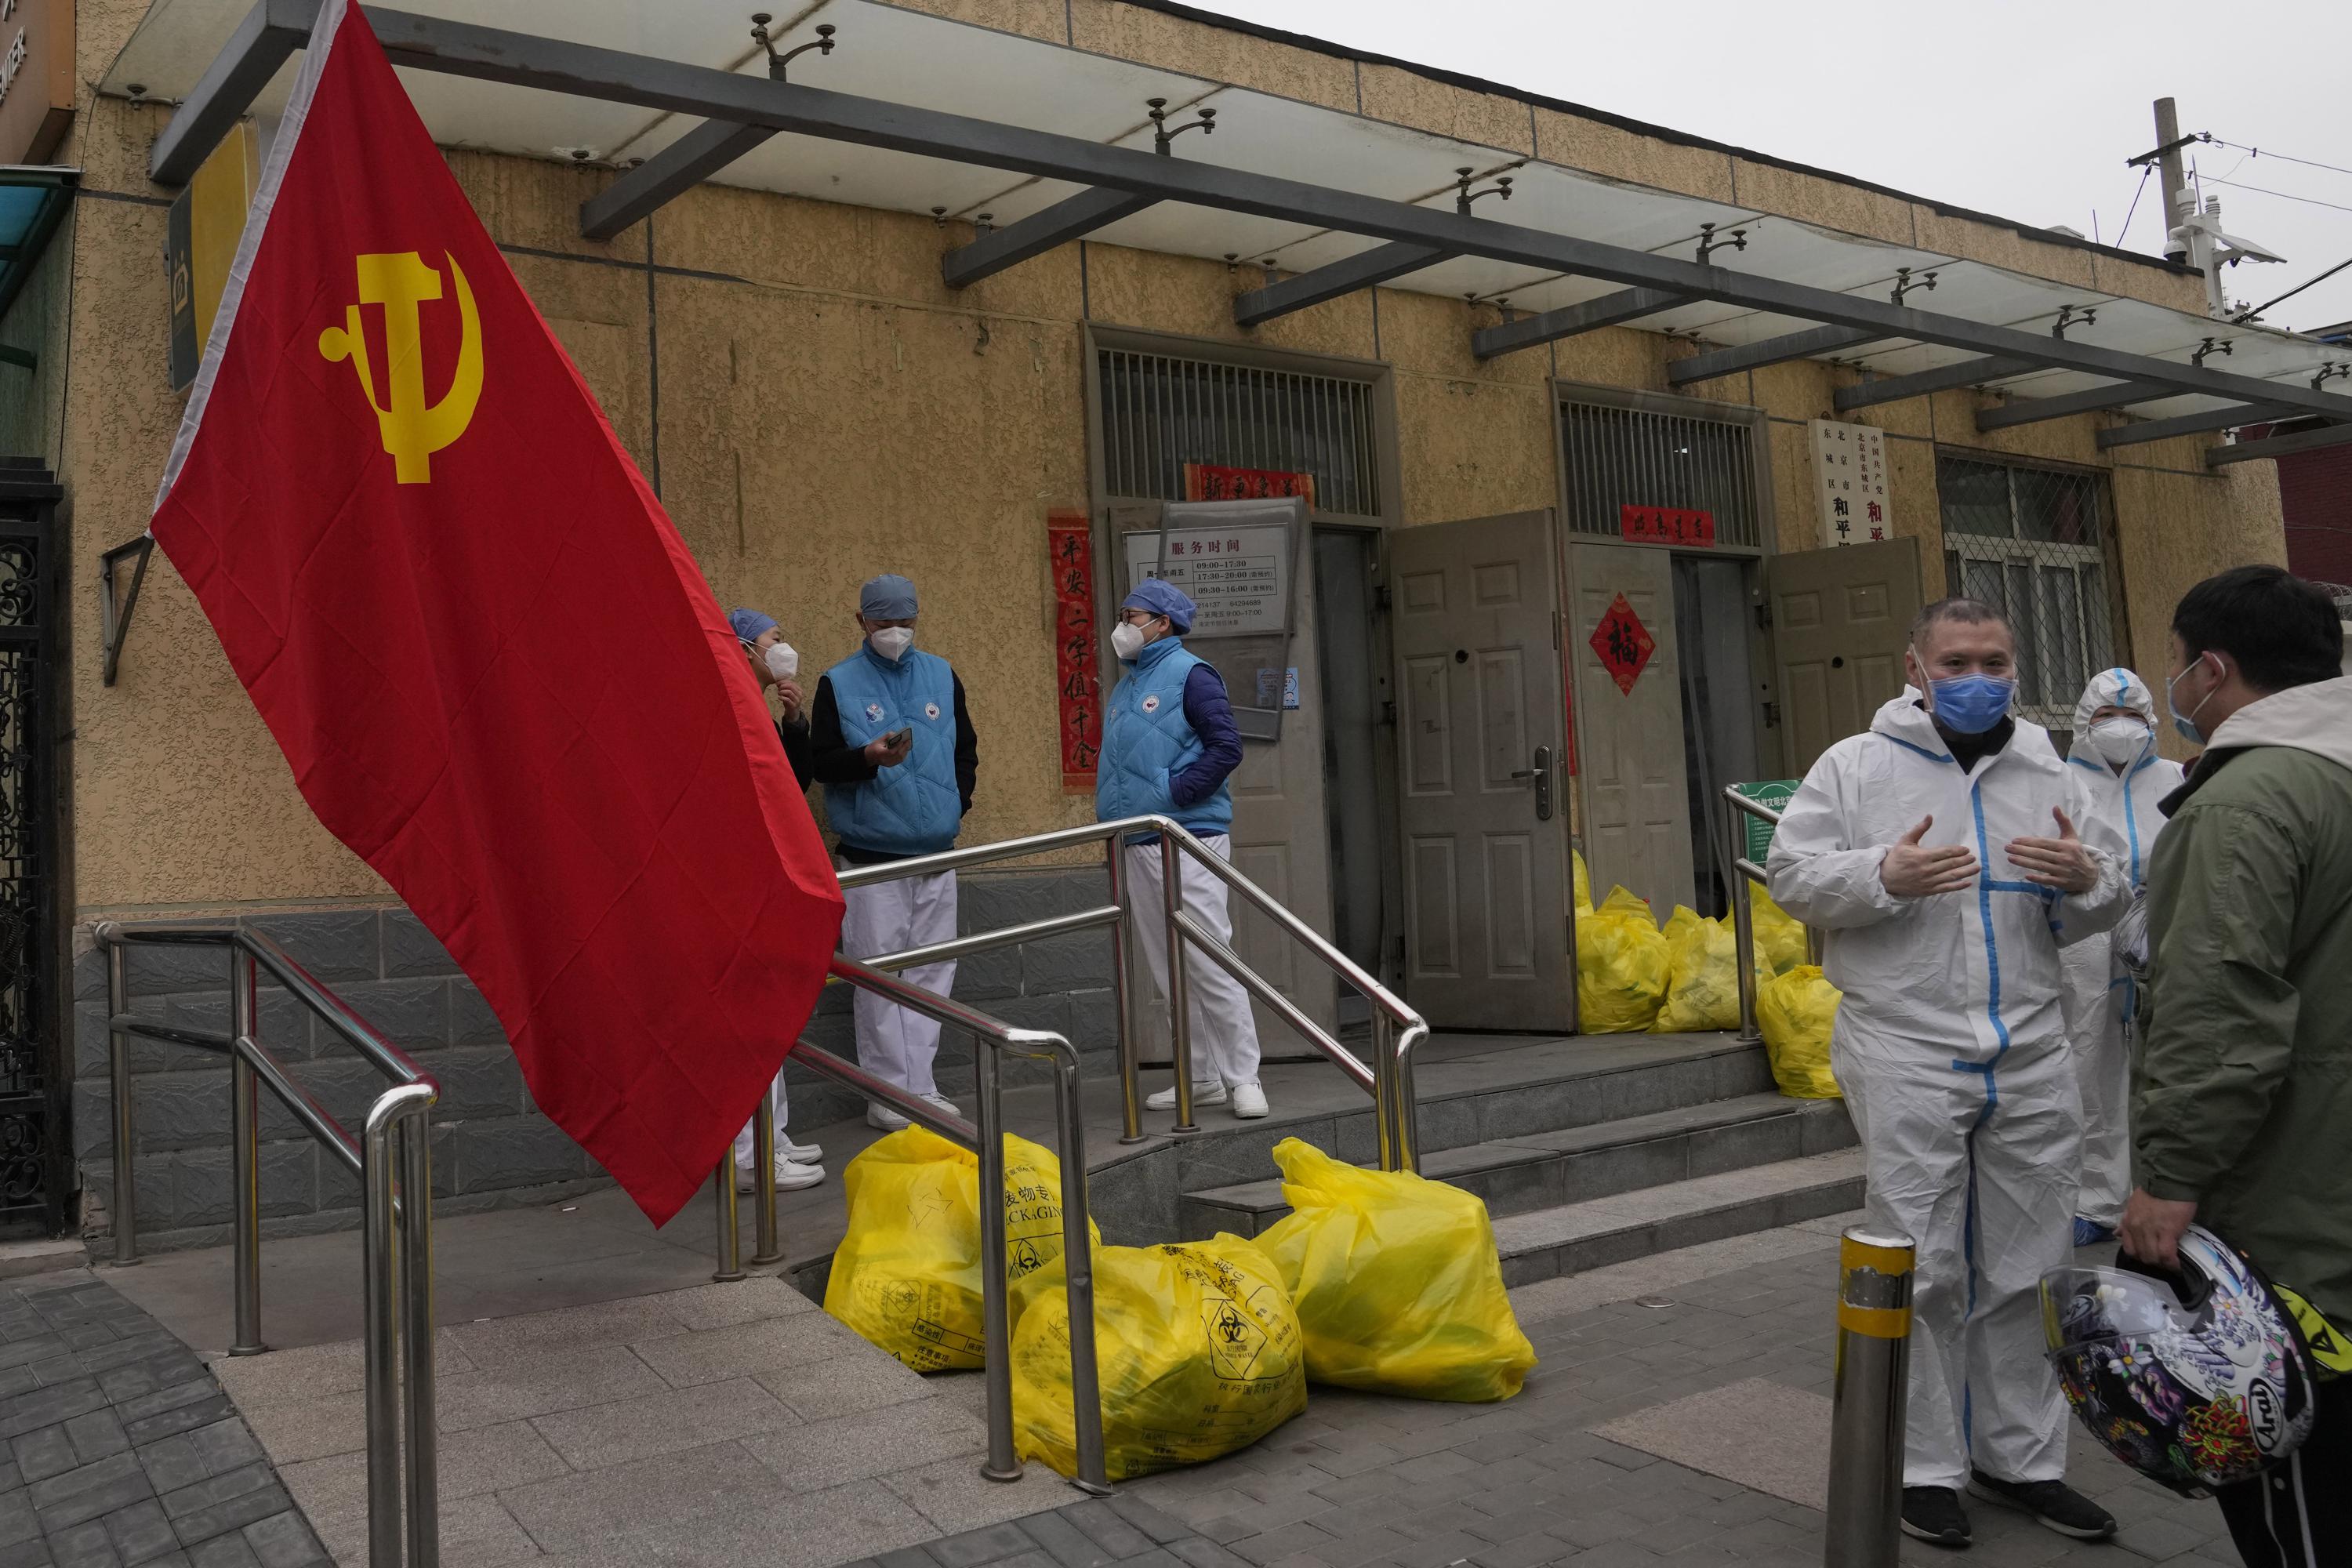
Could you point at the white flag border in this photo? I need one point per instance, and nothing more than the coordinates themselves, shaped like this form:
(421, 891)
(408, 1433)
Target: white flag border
(248, 243)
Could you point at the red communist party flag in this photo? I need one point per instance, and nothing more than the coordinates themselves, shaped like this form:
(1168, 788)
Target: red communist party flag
(498, 674)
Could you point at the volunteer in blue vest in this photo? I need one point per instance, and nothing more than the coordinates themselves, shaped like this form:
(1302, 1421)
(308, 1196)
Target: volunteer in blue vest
(777, 666)
(896, 753)
(1169, 746)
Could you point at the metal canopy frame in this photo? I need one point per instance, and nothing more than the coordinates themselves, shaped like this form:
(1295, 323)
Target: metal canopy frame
(1813, 340)
(1608, 310)
(2284, 446)
(1920, 383)
(1375, 265)
(490, 54)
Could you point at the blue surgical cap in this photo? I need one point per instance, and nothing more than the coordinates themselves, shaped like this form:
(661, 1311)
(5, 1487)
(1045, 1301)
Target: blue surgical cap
(751, 625)
(1161, 597)
(889, 597)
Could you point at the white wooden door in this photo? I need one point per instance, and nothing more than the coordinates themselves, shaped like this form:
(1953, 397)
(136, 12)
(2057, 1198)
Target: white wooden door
(1840, 619)
(1629, 751)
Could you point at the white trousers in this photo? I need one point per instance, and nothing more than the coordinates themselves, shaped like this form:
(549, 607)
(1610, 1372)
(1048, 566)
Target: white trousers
(894, 1045)
(2098, 999)
(743, 1138)
(1224, 1035)
(1978, 1165)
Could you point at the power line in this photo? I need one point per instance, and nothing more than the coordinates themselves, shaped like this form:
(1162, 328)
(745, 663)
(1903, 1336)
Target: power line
(2249, 315)
(2283, 196)
(2145, 170)
(2283, 157)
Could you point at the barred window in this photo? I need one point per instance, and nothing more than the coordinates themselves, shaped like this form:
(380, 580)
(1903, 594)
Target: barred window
(1615, 457)
(1161, 413)
(2032, 541)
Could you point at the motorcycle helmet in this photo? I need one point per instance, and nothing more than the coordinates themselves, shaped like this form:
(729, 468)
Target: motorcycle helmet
(2196, 1382)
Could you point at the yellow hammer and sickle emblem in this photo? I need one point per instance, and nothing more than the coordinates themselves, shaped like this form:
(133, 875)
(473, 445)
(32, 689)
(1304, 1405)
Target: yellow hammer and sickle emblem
(411, 430)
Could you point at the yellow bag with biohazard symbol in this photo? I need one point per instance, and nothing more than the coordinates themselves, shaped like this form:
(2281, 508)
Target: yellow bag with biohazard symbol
(1621, 966)
(1396, 1280)
(1703, 976)
(1198, 1350)
(907, 1274)
(1796, 1012)
(1779, 935)
(1583, 884)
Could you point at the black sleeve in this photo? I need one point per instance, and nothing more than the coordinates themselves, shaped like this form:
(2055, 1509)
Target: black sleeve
(967, 748)
(833, 761)
(799, 750)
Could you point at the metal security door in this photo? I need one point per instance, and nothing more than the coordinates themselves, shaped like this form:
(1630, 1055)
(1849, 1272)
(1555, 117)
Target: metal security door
(33, 1080)
(1841, 619)
(1480, 733)
(1629, 723)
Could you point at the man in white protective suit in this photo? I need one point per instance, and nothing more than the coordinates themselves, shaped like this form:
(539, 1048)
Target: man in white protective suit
(2115, 747)
(1939, 854)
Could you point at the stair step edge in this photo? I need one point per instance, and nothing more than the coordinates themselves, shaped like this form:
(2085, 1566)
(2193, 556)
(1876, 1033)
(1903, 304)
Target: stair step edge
(1540, 1228)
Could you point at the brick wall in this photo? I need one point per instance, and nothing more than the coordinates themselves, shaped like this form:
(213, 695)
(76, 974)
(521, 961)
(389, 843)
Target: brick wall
(491, 1148)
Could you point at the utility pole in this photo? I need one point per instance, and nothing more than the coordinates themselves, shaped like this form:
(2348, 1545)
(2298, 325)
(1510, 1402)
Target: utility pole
(2178, 202)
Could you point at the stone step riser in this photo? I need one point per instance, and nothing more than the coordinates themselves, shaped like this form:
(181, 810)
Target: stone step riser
(1770, 1212)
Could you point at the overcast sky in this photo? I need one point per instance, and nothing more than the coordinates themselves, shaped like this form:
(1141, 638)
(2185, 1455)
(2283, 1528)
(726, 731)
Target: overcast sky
(2025, 109)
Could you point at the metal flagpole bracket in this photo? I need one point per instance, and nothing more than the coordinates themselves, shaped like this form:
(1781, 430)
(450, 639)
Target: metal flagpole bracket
(1905, 283)
(777, 62)
(1708, 245)
(1162, 136)
(114, 613)
(1464, 195)
(2075, 316)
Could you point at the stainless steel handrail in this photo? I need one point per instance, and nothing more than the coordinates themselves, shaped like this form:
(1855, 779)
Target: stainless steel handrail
(1397, 1029)
(986, 1139)
(393, 1157)
(1743, 915)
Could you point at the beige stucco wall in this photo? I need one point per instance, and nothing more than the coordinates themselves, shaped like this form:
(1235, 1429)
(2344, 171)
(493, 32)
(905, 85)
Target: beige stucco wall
(819, 407)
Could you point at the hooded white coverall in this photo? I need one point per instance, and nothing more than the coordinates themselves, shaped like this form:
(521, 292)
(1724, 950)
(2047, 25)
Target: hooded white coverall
(2099, 996)
(1951, 1052)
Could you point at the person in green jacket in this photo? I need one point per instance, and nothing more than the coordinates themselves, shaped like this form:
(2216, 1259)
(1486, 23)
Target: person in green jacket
(2242, 1112)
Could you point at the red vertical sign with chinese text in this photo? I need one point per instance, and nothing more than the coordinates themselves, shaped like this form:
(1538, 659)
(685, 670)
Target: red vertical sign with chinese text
(1070, 546)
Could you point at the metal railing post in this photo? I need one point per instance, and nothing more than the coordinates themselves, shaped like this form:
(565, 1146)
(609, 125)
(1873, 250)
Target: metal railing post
(118, 1059)
(1866, 1420)
(380, 1280)
(1180, 1023)
(416, 1244)
(766, 1248)
(731, 1238)
(1130, 1068)
(1408, 1105)
(1743, 932)
(1078, 1278)
(996, 1320)
(245, 1154)
(1384, 1094)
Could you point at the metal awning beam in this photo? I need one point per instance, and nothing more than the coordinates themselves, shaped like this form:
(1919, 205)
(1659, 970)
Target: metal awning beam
(2033, 410)
(559, 64)
(1771, 351)
(2279, 446)
(2193, 423)
(1921, 384)
(1610, 310)
(668, 175)
(1374, 267)
(1040, 232)
(263, 41)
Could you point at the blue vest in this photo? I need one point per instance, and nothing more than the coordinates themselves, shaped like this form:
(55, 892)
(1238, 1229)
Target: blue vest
(1146, 738)
(914, 809)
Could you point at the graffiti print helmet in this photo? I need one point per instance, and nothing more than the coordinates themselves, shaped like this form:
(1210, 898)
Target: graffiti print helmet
(2197, 1385)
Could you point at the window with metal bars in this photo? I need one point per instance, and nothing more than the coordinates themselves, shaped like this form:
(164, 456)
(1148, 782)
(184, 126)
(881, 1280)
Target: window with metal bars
(2033, 541)
(1616, 457)
(1161, 413)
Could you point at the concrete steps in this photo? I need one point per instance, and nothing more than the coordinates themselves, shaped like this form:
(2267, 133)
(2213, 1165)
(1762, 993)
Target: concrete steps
(1546, 1169)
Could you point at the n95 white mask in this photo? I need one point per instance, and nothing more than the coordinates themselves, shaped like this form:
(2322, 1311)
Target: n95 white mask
(892, 642)
(783, 661)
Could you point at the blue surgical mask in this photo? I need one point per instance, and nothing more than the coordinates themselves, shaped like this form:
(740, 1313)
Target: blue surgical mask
(2187, 723)
(1971, 704)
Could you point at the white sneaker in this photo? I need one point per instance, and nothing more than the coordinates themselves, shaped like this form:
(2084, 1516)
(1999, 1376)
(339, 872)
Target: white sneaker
(1249, 1100)
(799, 1153)
(882, 1116)
(944, 1103)
(791, 1175)
(1203, 1094)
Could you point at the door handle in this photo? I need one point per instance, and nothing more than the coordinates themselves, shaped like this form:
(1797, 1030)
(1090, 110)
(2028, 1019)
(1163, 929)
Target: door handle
(1540, 771)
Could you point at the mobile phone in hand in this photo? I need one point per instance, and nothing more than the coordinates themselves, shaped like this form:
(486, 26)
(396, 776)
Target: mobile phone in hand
(897, 737)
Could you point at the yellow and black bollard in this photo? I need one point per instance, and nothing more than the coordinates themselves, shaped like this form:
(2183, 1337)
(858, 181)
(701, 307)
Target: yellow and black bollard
(1874, 1356)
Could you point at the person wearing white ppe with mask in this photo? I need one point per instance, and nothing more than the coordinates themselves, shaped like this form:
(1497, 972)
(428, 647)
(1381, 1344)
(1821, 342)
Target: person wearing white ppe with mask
(1938, 855)
(777, 666)
(899, 760)
(2115, 748)
(1169, 747)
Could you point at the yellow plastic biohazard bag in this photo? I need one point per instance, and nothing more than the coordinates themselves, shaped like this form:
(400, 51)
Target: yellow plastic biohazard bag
(1779, 935)
(1703, 975)
(1198, 1350)
(907, 1274)
(1583, 885)
(1397, 1283)
(1796, 1011)
(1621, 966)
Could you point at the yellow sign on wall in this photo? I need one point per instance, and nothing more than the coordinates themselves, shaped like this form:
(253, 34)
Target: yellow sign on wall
(206, 221)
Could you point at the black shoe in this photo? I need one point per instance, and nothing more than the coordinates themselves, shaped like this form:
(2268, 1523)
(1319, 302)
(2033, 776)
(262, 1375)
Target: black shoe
(1933, 1513)
(2055, 1503)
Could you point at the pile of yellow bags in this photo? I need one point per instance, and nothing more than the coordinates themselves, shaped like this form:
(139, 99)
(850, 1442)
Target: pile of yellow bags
(1703, 983)
(907, 1275)
(1621, 966)
(1796, 1012)
(1198, 1347)
(1396, 1282)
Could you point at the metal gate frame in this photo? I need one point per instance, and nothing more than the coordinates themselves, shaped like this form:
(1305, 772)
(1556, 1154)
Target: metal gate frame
(36, 1067)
